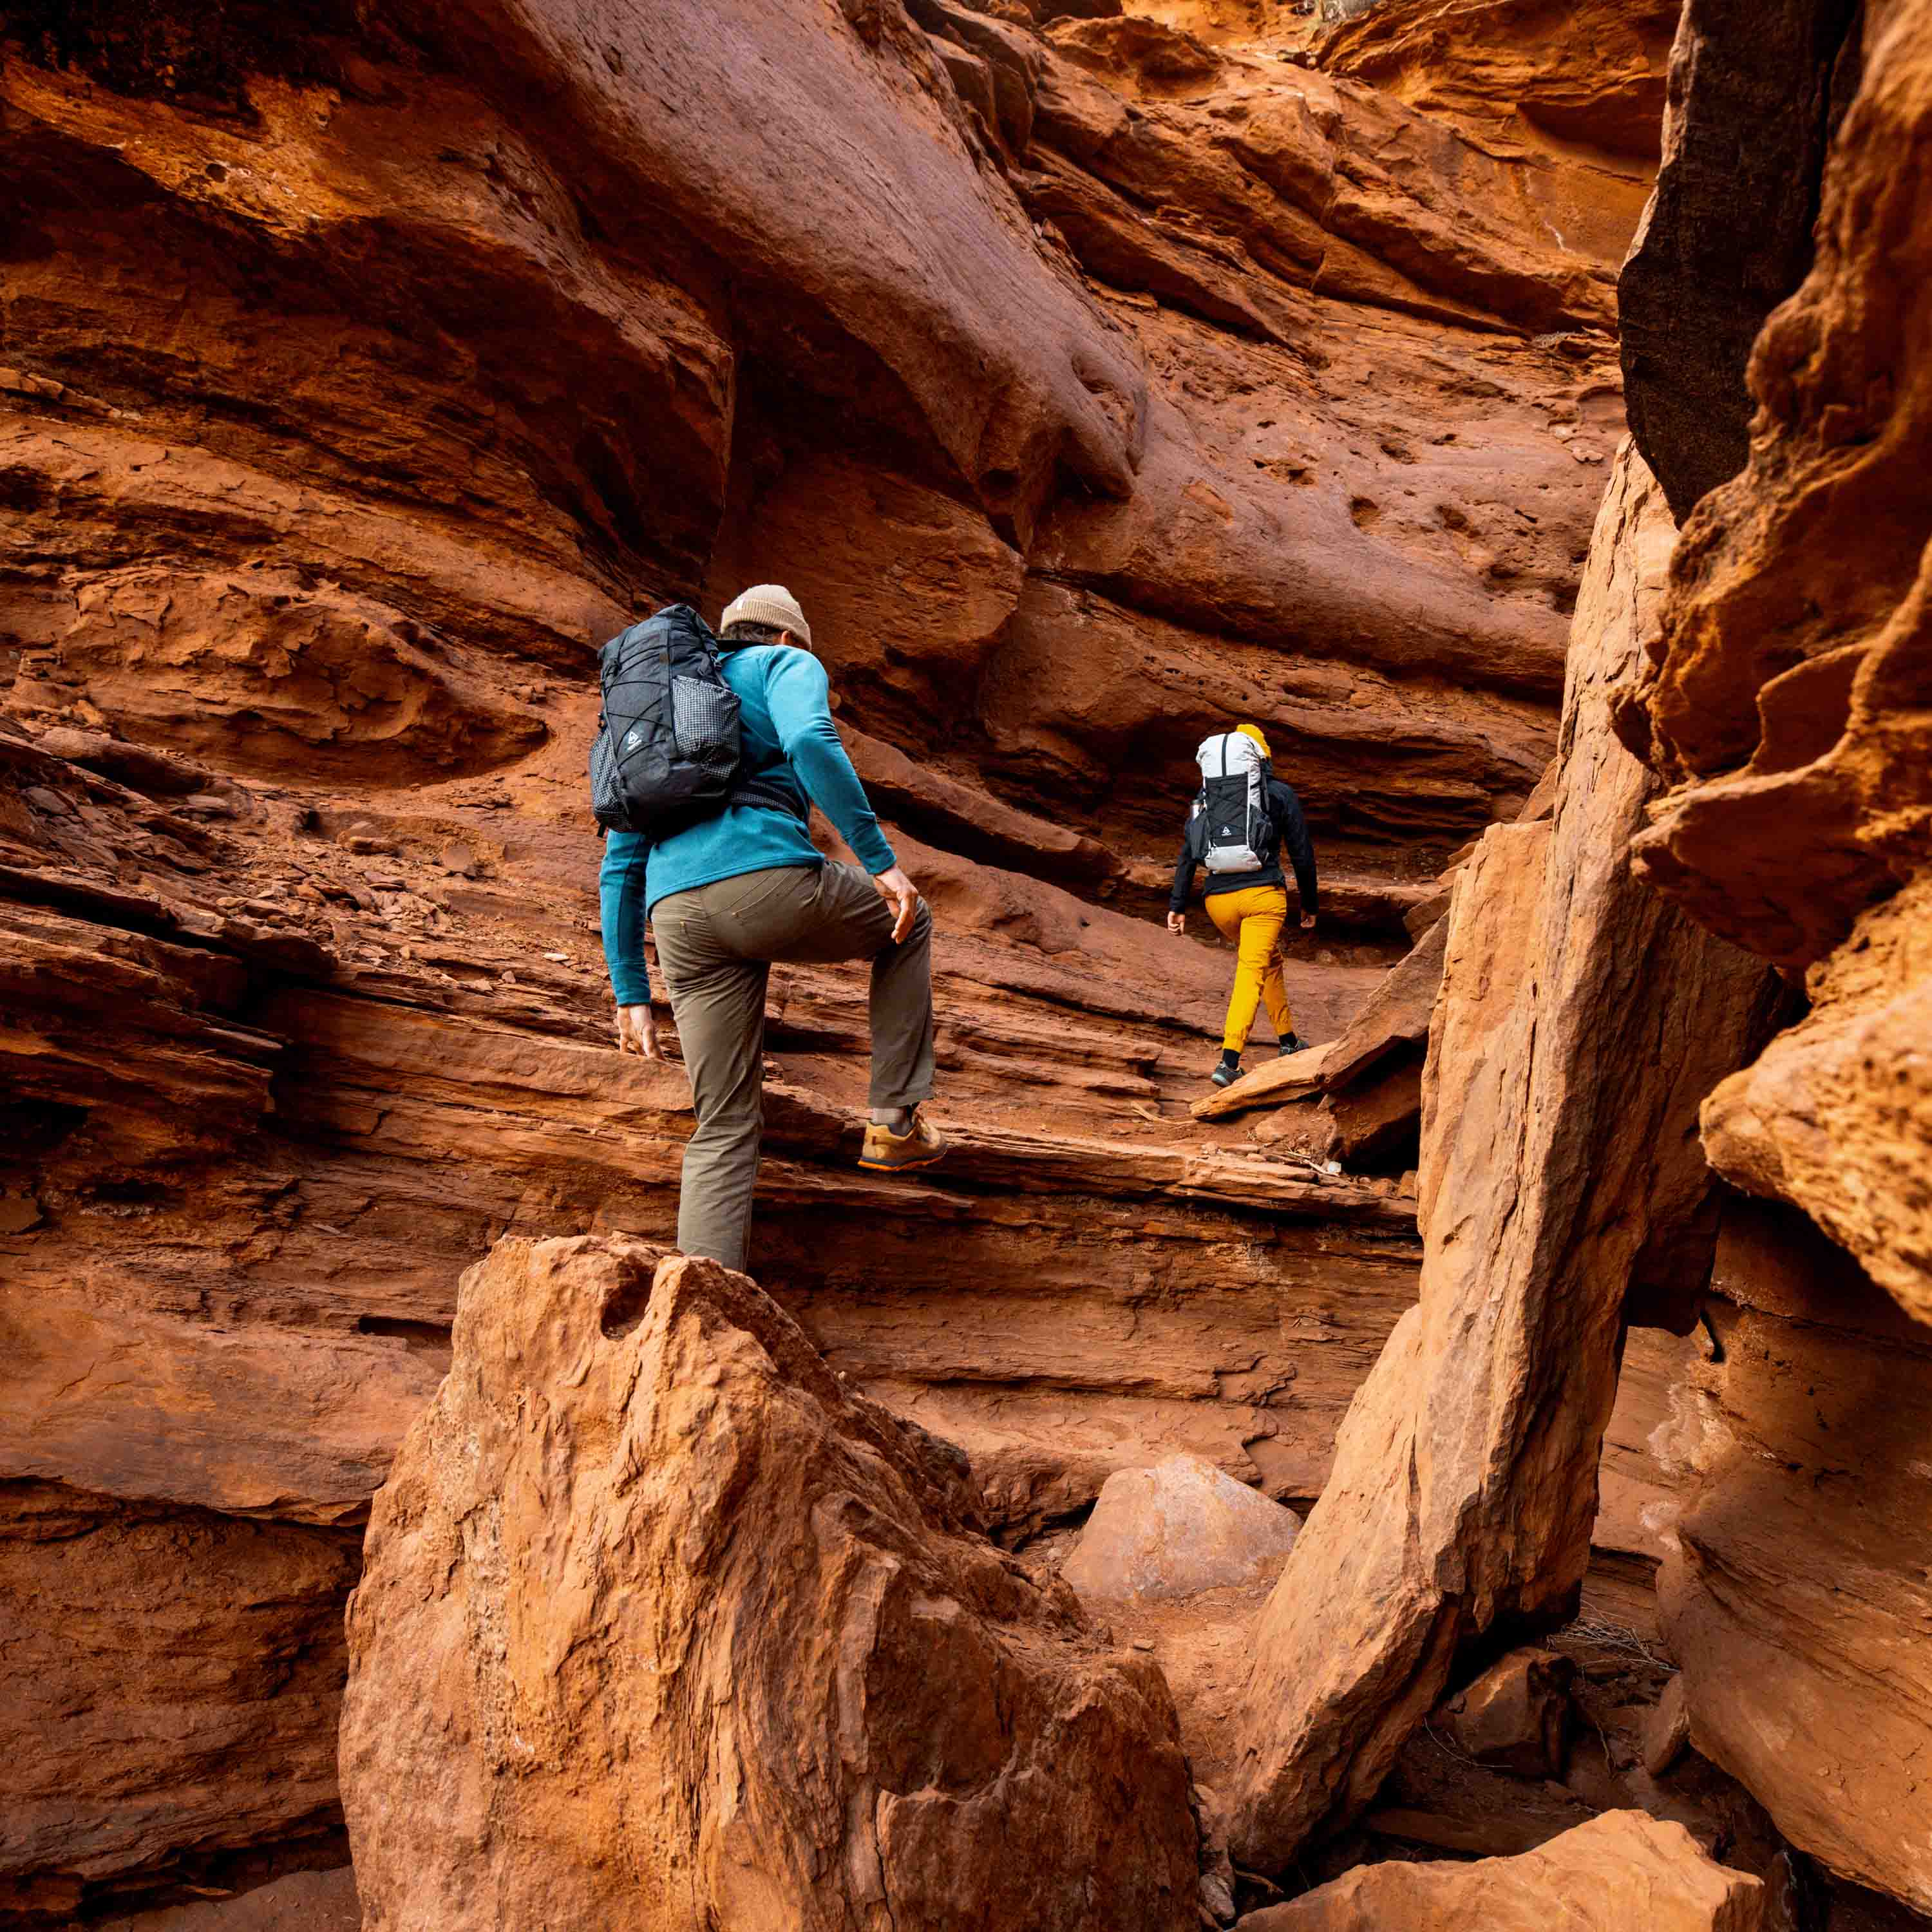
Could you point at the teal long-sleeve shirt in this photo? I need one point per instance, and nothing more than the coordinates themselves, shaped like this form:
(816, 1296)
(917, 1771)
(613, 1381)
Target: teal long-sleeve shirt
(787, 735)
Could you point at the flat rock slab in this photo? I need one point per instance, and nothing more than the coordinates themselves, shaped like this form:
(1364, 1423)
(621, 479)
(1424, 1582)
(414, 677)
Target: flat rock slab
(1290, 1076)
(1174, 1530)
(1395, 1014)
(1620, 1872)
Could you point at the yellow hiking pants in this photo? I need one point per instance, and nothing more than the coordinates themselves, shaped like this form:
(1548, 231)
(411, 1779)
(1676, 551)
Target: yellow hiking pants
(1253, 920)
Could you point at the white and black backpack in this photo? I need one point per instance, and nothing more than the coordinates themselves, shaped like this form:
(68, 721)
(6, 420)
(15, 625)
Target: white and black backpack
(667, 752)
(1237, 834)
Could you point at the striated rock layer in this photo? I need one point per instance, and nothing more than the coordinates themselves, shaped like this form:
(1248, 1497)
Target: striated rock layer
(1798, 1548)
(662, 1628)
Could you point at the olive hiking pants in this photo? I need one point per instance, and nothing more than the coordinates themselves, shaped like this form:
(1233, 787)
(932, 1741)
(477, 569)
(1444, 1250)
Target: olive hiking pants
(1253, 920)
(715, 945)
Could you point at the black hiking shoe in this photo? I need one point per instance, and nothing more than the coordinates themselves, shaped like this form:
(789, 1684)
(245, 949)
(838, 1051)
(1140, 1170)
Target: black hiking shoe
(1227, 1070)
(1293, 1043)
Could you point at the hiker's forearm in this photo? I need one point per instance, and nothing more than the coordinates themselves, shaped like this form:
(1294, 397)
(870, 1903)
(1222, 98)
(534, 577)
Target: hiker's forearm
(1301, 852)
(620, 893)
(1296, 842)
(1184, 879)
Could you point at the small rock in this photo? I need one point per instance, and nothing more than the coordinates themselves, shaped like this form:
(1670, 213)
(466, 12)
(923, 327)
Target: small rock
(1516, 1716)
(207, 804)
(1178, 1529)
(459, 858)
(1666, 1734)
(19, 1212)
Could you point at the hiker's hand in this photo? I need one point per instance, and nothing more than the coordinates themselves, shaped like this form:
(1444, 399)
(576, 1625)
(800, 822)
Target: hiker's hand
(1177, 922)
(636, 1031)
(1308, 921)
(900, 893)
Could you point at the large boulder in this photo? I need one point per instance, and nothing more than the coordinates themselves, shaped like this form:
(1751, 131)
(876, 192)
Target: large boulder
(662, 1628)
(1620, 1871)
(1464, 1484)
(1178, 1529)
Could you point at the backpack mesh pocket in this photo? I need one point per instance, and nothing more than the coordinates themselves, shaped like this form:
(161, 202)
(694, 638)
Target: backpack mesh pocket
(607, 784)
(704, 720)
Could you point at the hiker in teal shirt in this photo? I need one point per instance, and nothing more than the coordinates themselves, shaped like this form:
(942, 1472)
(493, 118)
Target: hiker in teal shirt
(729, 895)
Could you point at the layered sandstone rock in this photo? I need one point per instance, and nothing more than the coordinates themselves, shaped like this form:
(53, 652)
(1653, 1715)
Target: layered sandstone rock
(1784, 699)
(359, 379)
(1464, 1484)
(173, 1679)
(1618, 1871)
(661, 1626)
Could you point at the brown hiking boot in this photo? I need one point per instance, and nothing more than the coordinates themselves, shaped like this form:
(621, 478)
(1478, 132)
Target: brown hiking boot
(887, 1153)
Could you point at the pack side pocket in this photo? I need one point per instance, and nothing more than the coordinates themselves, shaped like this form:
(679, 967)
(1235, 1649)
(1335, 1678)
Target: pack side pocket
(607, 788)
(704, 720)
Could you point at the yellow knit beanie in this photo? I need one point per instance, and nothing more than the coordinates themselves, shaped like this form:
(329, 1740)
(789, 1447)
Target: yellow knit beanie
(1254, 731)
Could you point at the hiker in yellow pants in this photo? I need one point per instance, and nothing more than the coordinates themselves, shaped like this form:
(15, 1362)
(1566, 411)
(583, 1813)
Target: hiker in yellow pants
(1244, 817)
(1252, 919)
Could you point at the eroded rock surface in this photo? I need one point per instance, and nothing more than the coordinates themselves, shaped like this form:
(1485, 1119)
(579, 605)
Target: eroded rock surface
(1755, 91)
(661, 1626)
(1786, 699)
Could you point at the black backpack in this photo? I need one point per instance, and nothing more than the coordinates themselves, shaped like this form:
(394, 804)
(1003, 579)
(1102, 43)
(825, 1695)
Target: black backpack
(667, 752)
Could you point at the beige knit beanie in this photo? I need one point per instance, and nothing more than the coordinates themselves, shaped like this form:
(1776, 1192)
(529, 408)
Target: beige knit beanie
(770, 604)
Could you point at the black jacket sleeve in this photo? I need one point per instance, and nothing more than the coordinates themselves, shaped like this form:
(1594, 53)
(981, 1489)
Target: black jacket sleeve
(1184, 865)
(1295, 842)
